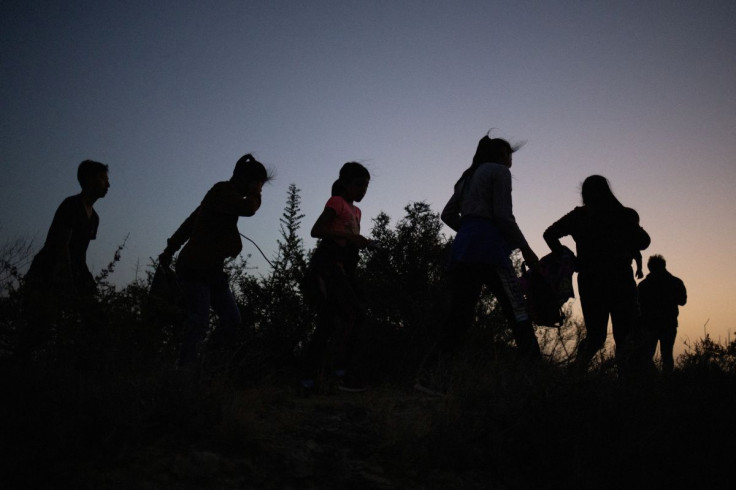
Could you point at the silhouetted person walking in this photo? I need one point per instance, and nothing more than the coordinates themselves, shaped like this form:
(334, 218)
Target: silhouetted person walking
(606, 234)
(211, 236)
(59, 279)
(660, 294)
(337, 345)
(480, 211)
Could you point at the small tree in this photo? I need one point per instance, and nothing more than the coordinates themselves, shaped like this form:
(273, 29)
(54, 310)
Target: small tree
(273, 304)
(403, 279)
(15, 256)
(290, 263)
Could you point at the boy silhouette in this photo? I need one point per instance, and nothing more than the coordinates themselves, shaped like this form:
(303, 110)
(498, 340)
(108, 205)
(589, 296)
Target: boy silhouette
(59, 278)
(660, 294)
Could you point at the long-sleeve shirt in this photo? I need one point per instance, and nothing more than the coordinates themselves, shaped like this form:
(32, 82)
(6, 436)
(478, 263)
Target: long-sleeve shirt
(660, 294)
(486, 195)
(604, 240)
(211, 231)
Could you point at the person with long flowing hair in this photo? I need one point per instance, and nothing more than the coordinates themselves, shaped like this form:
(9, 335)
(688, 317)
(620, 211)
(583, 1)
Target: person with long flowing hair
(606, 235)
(480, 211)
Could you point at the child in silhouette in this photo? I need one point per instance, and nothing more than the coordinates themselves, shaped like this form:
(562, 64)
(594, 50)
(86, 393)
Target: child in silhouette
(480, 211)
(59, 279)
(336, 343)
(606, 234)
(209, 236)
(660, 295)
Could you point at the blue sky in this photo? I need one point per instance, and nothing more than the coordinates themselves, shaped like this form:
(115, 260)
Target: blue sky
(171, 94)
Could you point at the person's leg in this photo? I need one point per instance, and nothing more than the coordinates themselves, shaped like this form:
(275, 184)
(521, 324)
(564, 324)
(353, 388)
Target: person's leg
(465, 285)
(317, 348)
(631, 346)
(622, 291)
(504, 283)
(650, 336)
(341, 337)
(356, 340)
(595, 316)
(322, 352)
(196, 299)
(666, 347)
(228, 315)
(455, 319)
(345, 309)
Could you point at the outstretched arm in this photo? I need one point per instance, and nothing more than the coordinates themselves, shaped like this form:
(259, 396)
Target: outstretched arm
(179, 238)
(504, 217)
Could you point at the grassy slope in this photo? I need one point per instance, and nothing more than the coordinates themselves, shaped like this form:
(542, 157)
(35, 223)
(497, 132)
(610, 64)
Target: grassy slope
(497, 427)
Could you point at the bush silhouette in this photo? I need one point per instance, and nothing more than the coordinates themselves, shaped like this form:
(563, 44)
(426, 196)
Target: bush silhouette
(129, 417)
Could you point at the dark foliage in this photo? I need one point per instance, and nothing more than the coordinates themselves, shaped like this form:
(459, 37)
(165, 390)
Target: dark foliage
(402, 277)
(106, 408)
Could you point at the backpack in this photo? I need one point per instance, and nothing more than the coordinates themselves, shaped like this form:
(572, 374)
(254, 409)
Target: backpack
(548, 287)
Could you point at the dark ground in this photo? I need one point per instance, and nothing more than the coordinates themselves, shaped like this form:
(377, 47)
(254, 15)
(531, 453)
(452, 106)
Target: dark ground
(505, 430)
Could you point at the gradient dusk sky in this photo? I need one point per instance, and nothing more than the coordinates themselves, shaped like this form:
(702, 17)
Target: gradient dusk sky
(171, 93)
